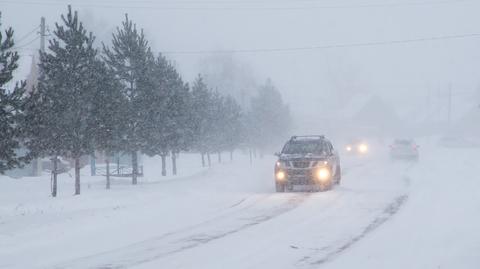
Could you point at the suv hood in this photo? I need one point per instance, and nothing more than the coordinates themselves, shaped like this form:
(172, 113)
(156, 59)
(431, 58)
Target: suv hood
(305, 157)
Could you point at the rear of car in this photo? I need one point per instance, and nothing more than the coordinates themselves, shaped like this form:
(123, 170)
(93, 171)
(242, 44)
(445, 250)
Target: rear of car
(404, 149)
(307, 163)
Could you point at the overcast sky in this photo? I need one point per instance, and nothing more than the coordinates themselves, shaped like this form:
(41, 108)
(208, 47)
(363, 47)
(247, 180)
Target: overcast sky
(405, 72)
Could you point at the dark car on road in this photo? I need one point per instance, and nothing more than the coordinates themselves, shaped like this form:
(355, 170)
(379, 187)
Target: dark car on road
(307, 162)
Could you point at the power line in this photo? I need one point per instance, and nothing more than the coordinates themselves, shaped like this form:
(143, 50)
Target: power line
(27, 34)
(319, 47)
(244, 8)
(25, 45)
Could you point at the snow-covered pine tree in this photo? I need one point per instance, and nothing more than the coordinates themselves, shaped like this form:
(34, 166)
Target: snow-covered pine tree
(169, 114)
(131, 60)
(65, 94)
(155, 129)
(180, 132)
(107, 123)
(10, 102)
(232, 126)
(39, 130)
(217, 118)
(269, 118)
(201, 117)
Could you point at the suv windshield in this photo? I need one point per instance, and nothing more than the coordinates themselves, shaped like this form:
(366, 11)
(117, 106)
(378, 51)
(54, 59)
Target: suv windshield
(304, 147)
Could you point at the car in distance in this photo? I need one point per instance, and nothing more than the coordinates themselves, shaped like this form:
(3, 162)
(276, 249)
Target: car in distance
(357, 147)
(405, 149)
(307, 162)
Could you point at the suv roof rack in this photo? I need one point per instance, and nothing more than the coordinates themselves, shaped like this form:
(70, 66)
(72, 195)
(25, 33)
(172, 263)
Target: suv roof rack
(295, 137)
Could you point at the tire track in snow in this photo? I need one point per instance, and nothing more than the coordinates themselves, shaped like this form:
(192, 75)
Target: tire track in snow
(191, 236)
(175, 242)
(388, 212)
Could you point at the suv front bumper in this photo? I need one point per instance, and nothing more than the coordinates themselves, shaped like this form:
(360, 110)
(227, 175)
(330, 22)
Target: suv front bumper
(300, 176)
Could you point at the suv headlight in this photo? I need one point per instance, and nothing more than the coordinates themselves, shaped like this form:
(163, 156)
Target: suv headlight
(280, 175)
(322, 174)
(281, 164)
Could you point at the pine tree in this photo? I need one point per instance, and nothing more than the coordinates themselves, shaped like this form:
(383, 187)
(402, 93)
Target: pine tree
(217, 124)
(269, 118)
(168, 115)
(131, 60)
(201, 117)
(216, 121)
(157, 131)
(180, 132)
(107, 123)
(39, 128)
(232, 125)
(65, 95)
(10, 102)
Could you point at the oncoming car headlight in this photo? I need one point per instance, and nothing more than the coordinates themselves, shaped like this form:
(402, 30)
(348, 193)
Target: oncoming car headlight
(322, 174)
(362, 148)
(348, 148)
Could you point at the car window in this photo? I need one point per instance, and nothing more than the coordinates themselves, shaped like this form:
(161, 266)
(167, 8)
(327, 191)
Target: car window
(402, 142)
(305, 147)
(330, 146)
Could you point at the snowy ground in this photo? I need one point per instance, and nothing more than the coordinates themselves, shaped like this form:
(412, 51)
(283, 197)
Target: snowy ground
(384, 215)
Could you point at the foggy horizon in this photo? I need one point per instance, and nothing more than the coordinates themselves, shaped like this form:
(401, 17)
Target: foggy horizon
(408, 75)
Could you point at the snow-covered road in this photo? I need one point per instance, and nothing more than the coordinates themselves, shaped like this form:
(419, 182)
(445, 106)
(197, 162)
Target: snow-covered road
(385, 214)
(439, 227)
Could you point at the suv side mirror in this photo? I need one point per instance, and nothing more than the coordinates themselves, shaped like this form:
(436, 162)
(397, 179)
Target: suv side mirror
(277, 154)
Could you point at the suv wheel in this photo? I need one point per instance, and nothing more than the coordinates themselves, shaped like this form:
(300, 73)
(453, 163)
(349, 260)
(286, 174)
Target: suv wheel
(279, 187)
(338, 175)
(326, 187)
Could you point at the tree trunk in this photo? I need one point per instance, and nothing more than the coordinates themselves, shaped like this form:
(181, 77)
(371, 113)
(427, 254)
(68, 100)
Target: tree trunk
(231, 155)
(250, 154)
(164, 165)
(219, 157)
(36, 169)
(118, 164)
(54, 173)
(107, 162)
(77, 175)
(174, 163)
(134, 167)
(93, 164)
(209, 159)
(203, 159)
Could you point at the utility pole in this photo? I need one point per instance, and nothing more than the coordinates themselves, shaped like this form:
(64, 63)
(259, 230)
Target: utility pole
(42, 34)
(37, 163)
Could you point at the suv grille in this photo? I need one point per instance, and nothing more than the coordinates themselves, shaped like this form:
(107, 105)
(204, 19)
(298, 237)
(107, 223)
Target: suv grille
(301, 164)
(298, 173)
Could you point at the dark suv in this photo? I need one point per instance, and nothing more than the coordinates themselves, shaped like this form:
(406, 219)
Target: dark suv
(307, 162)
